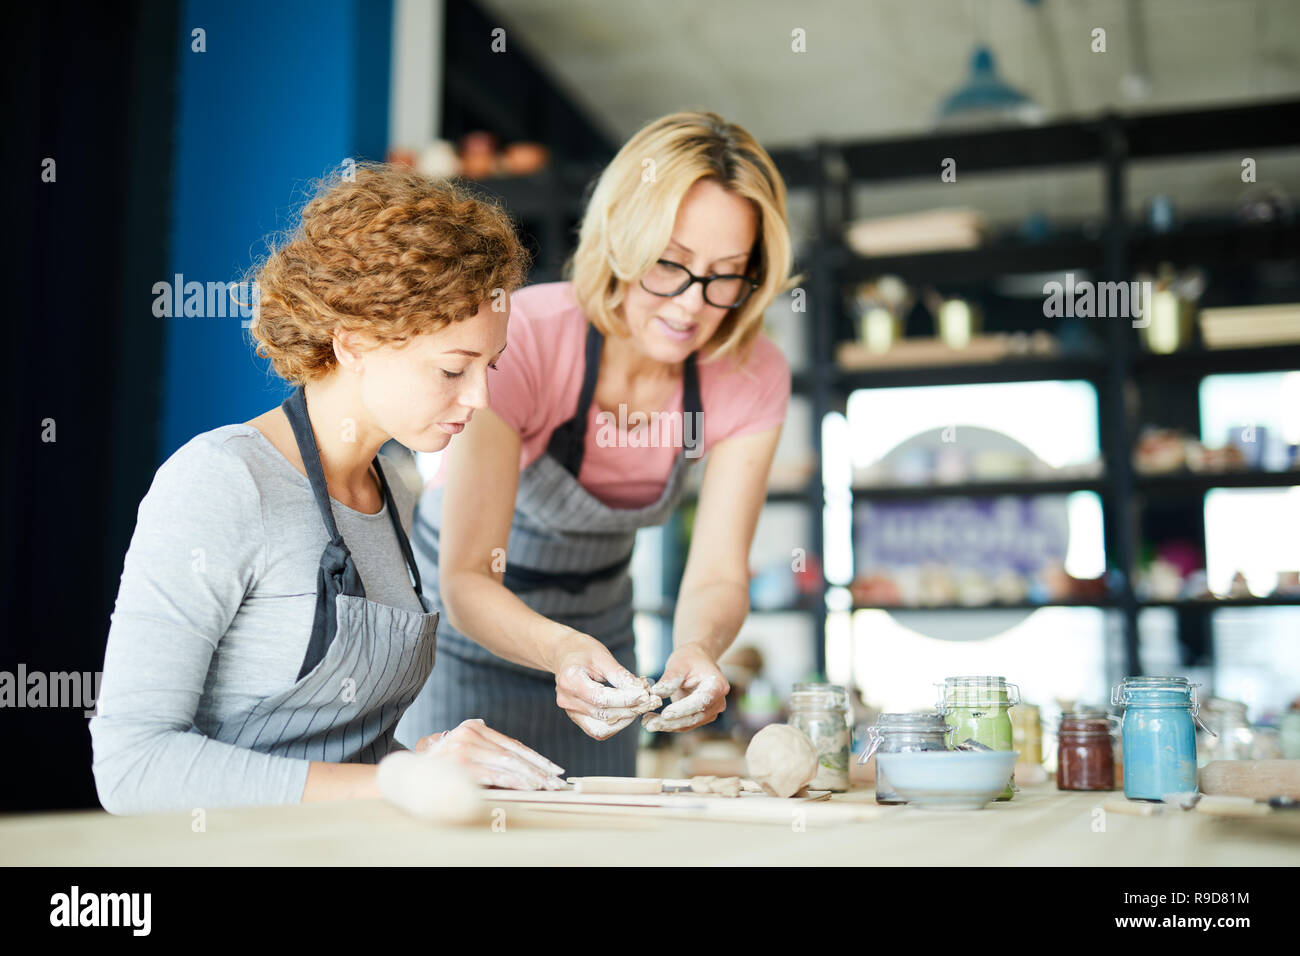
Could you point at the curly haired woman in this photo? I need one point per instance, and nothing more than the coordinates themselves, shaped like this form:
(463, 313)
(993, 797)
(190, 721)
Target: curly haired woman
(271, 625)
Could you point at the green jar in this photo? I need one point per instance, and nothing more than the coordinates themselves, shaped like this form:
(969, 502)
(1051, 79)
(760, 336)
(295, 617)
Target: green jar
(978, 708)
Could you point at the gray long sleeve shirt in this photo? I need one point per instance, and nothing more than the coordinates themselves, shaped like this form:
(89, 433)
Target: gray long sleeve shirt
(214, 613)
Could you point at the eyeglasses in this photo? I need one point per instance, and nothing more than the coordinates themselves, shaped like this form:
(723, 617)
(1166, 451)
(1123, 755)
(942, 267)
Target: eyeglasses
(669, 279)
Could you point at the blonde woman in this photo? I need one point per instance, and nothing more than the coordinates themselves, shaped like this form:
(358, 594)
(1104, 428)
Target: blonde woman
(614, 384)
(271, 626)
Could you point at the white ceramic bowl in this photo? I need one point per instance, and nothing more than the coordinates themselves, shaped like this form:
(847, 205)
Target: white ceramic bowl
(948, 779)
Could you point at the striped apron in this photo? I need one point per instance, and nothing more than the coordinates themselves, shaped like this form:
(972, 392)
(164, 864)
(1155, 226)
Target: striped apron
(365, 661)
(568, 558)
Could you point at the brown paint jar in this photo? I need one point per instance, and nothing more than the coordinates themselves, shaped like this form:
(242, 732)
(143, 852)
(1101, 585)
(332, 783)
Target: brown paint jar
(1085, 758)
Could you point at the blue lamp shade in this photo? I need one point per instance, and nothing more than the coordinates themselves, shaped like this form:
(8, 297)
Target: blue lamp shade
(986, 98)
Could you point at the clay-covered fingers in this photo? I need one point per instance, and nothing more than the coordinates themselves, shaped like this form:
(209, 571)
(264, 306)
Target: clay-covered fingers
(520, 750)
(596, 722)
(579, 706)
(656, 724)
(696, 702)
(578, 684)
(601, 723)
(494, 764)
(700, 706)
(599, 729)
(486, 776)
(668, 685)
(499, 767)
(620, 676)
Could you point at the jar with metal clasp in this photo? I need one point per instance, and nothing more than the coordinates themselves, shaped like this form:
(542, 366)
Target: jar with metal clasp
(1159, 735)
(977, 708)
(903, 733)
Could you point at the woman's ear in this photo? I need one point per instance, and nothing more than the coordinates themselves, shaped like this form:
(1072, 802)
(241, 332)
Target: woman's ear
(347, 350)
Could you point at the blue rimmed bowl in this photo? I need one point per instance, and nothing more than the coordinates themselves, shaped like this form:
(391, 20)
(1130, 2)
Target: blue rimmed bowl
(948, 779)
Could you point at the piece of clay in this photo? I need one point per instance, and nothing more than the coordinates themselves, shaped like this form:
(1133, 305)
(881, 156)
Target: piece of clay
(781, 759)
(652, 703)
(701, 784)
(726, 786)
(430, 787)
(749, 786)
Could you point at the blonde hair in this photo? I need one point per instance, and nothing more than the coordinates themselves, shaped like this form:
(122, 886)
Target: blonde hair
(629, 219)
(388, 253)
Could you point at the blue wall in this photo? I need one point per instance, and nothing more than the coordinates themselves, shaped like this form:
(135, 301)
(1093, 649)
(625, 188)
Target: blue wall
(285, 92)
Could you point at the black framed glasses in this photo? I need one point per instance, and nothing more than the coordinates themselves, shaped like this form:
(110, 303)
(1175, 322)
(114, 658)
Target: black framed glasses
(668, 279)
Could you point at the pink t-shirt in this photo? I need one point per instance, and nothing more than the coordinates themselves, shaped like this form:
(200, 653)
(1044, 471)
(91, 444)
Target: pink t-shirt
(535, 390)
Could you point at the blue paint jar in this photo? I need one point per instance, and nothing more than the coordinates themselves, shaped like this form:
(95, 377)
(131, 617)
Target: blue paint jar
(1159, 735)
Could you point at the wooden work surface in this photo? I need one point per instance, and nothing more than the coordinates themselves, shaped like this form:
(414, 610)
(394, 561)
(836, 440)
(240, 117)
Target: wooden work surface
(1042, 826)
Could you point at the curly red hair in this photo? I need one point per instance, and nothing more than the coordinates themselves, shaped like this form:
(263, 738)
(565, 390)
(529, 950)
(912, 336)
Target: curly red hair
(388, 253)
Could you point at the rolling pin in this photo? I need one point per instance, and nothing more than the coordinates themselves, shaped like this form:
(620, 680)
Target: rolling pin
(1257, 779)
(617, 784)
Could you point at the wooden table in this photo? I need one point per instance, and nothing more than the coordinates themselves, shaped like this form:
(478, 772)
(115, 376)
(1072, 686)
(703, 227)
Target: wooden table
(1042, 826)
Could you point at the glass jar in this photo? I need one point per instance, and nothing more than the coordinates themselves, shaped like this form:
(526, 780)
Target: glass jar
(1159, 734)
(1085, 753)
(1027, 733)
(976, 708)
(822, 712)
(1235, 738)
(1288, 729)
(903, 733)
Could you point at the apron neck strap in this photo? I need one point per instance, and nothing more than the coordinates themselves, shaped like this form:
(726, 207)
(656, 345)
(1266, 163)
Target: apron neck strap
(692, 409)
(569, 440)
(402, 540)
(295, 408)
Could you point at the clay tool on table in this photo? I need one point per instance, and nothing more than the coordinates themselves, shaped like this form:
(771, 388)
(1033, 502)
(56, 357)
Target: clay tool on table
(616, 784)
(725, 786)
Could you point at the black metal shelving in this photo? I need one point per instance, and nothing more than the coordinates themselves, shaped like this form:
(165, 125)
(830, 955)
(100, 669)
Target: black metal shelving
(1111, 250)
(979, 489)
(1197, 363)
(1199, 482)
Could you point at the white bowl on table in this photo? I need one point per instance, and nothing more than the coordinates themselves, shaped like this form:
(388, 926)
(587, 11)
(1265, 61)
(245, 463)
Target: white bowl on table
(948, 779)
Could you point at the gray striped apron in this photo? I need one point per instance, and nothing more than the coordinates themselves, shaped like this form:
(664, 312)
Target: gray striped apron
(365, 662)
(568, 559)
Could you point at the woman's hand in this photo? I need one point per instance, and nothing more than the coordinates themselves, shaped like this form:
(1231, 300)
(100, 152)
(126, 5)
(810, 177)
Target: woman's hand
(583, 669)
(697, 687)
(493, 759)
